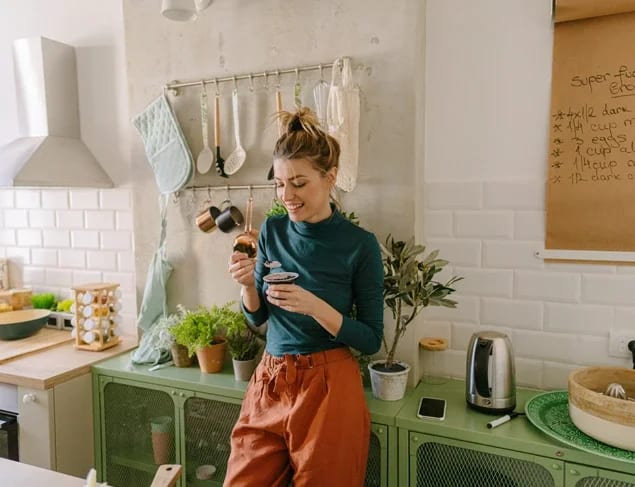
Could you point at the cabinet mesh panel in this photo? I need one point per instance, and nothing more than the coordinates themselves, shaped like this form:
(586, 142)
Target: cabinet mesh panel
(373, 467)
(600, 482)
(441, 465)
(128, 436)
(208, 427)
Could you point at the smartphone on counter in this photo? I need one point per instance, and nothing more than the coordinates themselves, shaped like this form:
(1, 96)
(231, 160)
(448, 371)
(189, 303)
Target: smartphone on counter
(431, 408)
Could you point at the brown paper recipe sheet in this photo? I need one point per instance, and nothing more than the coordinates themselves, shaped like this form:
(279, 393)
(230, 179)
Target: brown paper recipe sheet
(590, 203)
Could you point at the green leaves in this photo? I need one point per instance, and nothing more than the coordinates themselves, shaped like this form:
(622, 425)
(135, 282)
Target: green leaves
(409, 283)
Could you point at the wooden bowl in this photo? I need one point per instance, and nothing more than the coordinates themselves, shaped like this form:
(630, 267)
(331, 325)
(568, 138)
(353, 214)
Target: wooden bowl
(607, 419)
(21, 324)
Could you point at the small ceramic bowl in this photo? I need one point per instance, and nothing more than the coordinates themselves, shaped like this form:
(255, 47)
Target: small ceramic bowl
(605, 418)
(205, 472)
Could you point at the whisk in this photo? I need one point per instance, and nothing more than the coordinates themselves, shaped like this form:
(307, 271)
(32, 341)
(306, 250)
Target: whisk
(616, 390)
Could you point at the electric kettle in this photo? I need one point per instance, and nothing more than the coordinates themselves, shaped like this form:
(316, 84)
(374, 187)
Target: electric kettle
(490, 385)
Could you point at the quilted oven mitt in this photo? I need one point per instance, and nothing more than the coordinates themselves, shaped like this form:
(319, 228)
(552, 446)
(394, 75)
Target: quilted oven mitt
(166, 148)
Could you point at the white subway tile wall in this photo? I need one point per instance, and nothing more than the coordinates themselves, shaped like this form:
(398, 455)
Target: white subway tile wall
(59, 238)
(557, 315)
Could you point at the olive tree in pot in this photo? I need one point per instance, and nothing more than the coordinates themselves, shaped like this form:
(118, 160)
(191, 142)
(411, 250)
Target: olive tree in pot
(409, 287)
(243, 345)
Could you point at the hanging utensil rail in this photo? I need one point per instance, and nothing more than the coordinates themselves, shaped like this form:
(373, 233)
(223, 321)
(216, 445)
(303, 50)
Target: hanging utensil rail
(174, 86)
(229, 187)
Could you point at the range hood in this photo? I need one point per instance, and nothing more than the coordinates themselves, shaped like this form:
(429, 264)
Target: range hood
(49, 150)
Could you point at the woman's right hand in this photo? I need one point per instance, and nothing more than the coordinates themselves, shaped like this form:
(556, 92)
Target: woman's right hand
(241, 268)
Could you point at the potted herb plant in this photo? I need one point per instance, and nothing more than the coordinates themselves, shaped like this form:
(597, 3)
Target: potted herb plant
(243, 345)
(202, 332)
(409, 287)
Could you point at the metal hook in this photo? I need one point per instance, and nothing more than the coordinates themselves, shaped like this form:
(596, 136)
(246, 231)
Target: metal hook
(209, 193)
(320, 68)
(227, 187)
(251, 82)
(175, 197)
(216, 83)
(251, 192)
(235, 84)
(278, 78)
(266, 76)
(297, 74)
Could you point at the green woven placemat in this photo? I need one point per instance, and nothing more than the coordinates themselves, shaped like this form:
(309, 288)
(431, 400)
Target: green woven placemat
(549, 412)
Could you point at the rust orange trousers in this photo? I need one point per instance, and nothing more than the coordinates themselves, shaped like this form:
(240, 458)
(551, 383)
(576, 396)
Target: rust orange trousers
(303, 421)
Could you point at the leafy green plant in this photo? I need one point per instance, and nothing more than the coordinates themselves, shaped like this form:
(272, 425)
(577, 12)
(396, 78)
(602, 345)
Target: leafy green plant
(241, 341)
(409, 286)
(44, 301)
(277, 208)
(203, 326)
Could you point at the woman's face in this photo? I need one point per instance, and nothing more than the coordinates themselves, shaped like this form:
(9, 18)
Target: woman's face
(303, 190)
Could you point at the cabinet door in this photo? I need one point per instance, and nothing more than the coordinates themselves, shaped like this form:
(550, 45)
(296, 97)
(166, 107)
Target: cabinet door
(131, 447)
(442, 462)
(583, 476)
(207, 425)
(377, 466)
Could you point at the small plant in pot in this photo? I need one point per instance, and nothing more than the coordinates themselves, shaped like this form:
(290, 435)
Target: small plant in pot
(409, 287)
(244, 346)
(202, 332)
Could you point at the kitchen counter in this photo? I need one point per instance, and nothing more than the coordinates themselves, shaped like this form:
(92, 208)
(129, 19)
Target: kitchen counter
(53, 366)
(16, 474)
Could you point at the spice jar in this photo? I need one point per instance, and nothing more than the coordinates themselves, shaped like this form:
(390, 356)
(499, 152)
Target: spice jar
(433, 360)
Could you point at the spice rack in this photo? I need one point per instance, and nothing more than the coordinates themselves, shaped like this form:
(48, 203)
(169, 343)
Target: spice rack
(96, 316)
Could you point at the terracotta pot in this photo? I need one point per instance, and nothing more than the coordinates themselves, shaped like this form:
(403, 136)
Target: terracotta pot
(180, 356)
(212, 357)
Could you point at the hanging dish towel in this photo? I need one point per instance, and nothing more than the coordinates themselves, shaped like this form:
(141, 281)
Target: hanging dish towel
(166, 148)
(342, 120)
(154, 303)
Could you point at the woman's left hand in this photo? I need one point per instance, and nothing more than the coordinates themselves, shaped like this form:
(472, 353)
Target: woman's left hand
(293, 298)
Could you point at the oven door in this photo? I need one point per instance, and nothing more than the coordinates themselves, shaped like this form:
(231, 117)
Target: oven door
(9, 435)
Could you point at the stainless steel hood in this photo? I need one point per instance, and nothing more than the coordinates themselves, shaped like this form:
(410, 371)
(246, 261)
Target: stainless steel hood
(49, 150)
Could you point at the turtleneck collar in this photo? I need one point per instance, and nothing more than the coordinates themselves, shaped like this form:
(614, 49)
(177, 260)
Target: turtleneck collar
(313, 229)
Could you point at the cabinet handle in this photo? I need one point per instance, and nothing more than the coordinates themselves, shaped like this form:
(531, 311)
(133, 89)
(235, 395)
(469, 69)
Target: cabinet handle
(182, 394)
(574, 472)
(415, 439)
(27, 398)
(555, 466)
(380, 430)
(173, 393)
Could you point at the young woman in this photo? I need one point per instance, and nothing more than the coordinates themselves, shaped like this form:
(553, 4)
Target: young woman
(304, 418)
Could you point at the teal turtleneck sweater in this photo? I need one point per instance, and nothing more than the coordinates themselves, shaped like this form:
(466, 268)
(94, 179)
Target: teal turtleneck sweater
(337, 261)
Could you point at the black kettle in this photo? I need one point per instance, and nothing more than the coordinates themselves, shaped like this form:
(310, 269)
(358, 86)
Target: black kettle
(490, 384)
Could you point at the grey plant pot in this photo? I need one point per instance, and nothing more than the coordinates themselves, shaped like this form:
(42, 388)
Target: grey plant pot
(243, 369)
(388, 386)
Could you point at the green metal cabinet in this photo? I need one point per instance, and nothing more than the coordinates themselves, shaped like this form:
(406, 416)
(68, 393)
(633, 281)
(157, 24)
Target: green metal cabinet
(203, 409)
(584, 476)
(461, 451)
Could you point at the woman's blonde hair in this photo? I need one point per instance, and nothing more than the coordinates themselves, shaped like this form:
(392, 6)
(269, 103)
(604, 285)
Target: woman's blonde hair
(303, 138)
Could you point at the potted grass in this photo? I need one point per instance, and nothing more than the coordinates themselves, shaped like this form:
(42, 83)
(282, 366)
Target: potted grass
(202, 332)
(243, 344)
(409, 287)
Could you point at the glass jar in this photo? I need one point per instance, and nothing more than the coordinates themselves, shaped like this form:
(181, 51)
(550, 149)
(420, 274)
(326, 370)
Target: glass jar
(434, 360)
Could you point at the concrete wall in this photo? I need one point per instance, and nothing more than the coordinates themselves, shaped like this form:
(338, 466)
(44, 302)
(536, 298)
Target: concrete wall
(231, 38)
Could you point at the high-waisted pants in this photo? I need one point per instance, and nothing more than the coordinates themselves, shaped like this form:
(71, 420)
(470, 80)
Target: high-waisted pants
(303, 420)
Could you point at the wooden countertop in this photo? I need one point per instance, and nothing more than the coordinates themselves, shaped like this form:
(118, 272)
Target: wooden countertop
(53, 366)
(22, 475)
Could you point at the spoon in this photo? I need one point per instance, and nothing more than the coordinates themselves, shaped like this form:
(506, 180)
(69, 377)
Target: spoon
(273, 264)
(206, 156)
(220, 162)
(236, 159)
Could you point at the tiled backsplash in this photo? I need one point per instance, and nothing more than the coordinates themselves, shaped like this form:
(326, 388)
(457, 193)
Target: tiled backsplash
(558, 315)
(58, 238)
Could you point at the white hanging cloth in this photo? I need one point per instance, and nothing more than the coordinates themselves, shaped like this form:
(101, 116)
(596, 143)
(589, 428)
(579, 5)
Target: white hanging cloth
(342, 120)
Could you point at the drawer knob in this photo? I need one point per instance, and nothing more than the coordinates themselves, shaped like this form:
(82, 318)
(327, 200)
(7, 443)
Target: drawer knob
(380, 430)
(574, 472)
(415, 439)
(555, 466)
